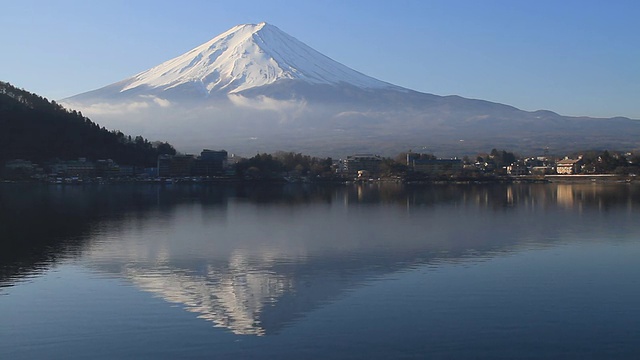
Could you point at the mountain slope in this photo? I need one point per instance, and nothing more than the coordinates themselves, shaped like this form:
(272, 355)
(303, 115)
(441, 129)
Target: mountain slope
(255, 88)
(32, 128)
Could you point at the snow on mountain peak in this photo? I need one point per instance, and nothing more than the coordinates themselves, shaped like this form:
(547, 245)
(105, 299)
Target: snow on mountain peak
(248, 56)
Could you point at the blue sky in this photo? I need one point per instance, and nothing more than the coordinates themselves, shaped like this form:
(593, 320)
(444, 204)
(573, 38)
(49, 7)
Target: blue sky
(572, 57)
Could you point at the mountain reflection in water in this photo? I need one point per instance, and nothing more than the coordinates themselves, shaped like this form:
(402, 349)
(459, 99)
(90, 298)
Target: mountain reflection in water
(253, 259)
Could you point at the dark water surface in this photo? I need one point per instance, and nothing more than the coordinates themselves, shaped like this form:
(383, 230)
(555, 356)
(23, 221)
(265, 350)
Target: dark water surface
(299, 272)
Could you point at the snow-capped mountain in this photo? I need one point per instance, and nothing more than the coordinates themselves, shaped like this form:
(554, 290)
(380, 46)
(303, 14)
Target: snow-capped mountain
(256, 88)
(249, 56)
(245, 57)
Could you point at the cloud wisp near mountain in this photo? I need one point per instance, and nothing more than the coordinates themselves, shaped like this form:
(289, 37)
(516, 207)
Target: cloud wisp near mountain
(255, 88)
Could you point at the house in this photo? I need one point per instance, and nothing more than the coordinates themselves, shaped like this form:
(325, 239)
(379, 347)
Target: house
(18, 168)
(370, 163)
(210, 162)
(175, 166)
(164, 165)
(431, 166)
(568, 166)
(542, 170)
(107, 168)
(517, 169)
(81, 168)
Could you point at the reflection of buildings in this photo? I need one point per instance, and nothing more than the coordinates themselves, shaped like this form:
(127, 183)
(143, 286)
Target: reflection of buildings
(565, 195)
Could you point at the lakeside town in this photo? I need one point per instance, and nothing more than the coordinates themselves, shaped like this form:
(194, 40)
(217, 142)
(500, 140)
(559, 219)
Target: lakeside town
(410, 167)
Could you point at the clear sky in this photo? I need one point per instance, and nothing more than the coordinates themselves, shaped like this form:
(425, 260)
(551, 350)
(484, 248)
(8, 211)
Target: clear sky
(574, 57)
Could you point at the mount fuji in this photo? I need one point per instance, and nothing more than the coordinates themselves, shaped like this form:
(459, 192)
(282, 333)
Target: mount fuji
(255, 88)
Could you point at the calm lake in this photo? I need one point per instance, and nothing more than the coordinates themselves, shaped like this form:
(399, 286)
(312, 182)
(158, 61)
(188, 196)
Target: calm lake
(374, 271)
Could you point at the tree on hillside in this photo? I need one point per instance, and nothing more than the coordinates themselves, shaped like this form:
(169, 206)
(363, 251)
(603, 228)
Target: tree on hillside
(36, 129)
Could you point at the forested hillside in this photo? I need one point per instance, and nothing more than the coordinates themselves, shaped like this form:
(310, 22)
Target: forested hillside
(36, 129)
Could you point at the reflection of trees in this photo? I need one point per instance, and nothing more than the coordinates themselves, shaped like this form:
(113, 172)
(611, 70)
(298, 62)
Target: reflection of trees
(41, 224)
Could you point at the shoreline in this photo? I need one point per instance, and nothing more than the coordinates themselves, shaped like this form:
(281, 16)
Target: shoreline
(503, 179)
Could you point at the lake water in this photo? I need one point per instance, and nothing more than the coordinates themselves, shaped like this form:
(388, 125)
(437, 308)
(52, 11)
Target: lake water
(299, 272)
